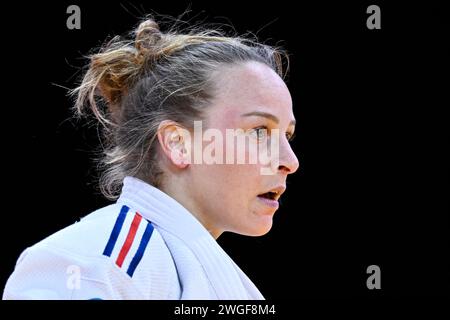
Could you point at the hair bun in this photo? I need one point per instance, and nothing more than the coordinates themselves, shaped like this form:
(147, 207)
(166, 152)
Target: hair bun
(147, 35)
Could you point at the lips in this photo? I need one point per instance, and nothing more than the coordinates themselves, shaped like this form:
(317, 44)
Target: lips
(273, 194)
(270, 198)
(269, 202)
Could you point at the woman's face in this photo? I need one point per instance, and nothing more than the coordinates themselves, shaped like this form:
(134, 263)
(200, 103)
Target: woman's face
(234, 197)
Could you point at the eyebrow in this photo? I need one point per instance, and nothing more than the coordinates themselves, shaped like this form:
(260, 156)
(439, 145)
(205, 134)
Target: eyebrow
(265, 115)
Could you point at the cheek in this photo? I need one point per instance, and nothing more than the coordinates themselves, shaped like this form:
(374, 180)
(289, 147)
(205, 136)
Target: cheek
(241, 182)
(232, 175)
(231, 182)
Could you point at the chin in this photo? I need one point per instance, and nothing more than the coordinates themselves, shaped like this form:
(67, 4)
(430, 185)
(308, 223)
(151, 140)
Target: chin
(256, 230)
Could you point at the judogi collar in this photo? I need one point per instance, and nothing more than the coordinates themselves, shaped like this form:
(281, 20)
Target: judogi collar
(227, 280)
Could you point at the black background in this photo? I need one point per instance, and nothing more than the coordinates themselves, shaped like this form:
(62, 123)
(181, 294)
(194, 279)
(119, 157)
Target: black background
(371, 139)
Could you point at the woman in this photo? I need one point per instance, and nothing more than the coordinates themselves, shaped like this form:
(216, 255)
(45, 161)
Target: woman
(175, 196)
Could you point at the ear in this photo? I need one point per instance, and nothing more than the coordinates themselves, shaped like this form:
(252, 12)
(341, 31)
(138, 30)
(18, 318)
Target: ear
(175, 142)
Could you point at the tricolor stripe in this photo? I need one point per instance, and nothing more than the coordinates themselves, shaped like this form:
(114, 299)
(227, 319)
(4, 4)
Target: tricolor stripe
(128, 240)
(140, 251)
(116, 231)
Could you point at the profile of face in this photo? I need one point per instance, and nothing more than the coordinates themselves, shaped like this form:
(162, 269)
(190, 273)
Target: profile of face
(238, 197)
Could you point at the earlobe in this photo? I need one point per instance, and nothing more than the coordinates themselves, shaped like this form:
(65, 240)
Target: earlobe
(178, 151)
(174, 141)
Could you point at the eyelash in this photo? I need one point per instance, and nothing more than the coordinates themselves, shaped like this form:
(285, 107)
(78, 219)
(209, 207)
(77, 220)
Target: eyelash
(289, 136)
(260, 128)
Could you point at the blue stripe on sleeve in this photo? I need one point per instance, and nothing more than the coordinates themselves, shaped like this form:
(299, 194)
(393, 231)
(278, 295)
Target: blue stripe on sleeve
(116, 231)
(140, 251)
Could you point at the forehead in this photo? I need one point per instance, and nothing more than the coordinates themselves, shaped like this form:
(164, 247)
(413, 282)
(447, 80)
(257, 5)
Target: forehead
(250, 87)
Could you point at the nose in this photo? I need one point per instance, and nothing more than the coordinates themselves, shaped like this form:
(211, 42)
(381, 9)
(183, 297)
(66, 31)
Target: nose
(288, 160)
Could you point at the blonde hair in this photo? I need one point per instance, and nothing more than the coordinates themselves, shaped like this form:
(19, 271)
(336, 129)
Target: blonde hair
(132, 85)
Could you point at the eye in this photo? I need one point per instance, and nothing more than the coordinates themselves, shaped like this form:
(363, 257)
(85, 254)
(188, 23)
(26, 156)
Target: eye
(260, 133)
(290, 136)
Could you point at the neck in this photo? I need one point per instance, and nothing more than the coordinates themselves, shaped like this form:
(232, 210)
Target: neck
(177, 189)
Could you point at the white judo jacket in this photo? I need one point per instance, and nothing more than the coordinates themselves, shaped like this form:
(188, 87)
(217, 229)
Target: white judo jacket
(145, 246)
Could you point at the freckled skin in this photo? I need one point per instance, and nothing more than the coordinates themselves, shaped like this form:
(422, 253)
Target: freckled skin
(224, 196)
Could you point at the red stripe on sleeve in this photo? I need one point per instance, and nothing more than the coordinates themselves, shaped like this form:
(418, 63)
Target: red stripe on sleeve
(129, 240)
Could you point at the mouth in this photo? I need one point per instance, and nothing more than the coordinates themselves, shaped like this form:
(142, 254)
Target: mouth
(269, 195)
(270, 198)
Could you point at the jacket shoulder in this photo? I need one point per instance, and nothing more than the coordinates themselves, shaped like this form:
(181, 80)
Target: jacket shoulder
(114, 248)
